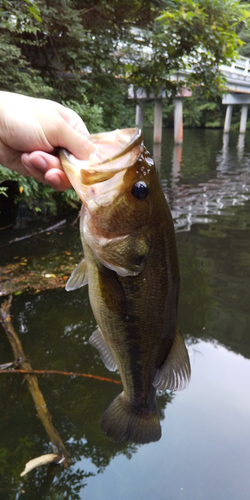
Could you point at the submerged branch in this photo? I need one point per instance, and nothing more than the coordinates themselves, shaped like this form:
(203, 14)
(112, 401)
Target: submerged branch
(51, 228)
(5, 227)
(58, 372)
(32, 382)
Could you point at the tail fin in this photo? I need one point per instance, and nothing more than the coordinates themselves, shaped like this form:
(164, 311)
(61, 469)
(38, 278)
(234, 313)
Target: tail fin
(121, 421)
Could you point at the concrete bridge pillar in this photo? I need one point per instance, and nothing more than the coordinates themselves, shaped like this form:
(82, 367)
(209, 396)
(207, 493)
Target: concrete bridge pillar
(241, 99)
(139, 114)
(228, 119)
(243, 119)
(178, 120)
(158, 121)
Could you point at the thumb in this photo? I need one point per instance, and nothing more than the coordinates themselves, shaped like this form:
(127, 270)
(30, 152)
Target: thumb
(73, 119)
(76, 142)
(74, 135)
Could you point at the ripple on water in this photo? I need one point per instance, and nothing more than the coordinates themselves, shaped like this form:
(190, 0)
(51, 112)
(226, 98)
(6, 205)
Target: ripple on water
(200, 202)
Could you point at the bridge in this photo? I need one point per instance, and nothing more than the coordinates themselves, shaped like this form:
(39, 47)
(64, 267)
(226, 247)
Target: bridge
(238, 92)
(238, 86)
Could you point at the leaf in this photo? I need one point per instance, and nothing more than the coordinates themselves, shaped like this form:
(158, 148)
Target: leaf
(3, 191)
(42, 460)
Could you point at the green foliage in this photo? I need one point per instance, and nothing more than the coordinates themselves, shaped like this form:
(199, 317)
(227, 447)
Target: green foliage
(71, 49)
(31, 188)
(111, 93)
(194, 35)
(198, 111)
(85, 55)
(17, 21)
(91, 115)
(33, 192)
(210, 23)
(3, 190)
(244, 35)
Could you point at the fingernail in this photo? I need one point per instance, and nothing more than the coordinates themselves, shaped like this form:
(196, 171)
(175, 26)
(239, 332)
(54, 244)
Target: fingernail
(40, 162)
(55, 181)
(37, 162)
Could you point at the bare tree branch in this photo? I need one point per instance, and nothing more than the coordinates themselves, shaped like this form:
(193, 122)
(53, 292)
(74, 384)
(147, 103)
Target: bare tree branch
(31, 379)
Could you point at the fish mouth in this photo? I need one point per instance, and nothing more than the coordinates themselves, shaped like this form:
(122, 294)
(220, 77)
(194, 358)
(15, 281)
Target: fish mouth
(114, 153)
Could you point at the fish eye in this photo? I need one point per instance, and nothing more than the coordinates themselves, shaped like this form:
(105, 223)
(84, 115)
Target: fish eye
(140, 190)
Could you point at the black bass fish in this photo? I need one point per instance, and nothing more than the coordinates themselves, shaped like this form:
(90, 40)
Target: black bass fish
(131, 267)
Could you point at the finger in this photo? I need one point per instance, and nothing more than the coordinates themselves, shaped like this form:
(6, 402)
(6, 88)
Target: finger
(31, 169)
(57, 179)
(73, 119)
(41, 160)
(63, 135)
(46, 168)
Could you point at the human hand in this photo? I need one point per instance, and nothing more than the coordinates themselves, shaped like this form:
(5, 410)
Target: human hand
(31, 129)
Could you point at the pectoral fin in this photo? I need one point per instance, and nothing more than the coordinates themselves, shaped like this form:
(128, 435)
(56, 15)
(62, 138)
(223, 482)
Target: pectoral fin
(79, 277)
(175, 372)
(97, 341)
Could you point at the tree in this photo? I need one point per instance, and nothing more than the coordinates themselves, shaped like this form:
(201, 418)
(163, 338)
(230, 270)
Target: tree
(73, 48)
(244, 35)
(197, 35)
(85, 53)
(17, 19)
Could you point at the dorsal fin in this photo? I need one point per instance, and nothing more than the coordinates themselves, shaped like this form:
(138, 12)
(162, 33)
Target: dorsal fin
(175, 372)
(79, 277)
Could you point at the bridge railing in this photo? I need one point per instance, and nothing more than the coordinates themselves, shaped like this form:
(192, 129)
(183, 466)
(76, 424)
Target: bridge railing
(240, 66)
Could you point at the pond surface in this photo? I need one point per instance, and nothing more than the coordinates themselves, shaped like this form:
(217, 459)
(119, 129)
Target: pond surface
(204, 452)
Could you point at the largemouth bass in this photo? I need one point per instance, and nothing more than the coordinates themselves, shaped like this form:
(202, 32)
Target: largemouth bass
(131, 267)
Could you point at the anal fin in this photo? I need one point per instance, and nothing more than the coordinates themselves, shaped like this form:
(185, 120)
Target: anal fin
(175, 373)
(79, 277)
(97, 341)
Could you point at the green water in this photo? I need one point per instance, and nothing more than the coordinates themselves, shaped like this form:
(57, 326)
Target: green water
(204, 452)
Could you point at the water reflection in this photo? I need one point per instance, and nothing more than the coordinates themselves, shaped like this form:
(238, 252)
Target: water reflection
(206, 427)
(199, 202)
(157, 155)
(76, 405)
(240, 146)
